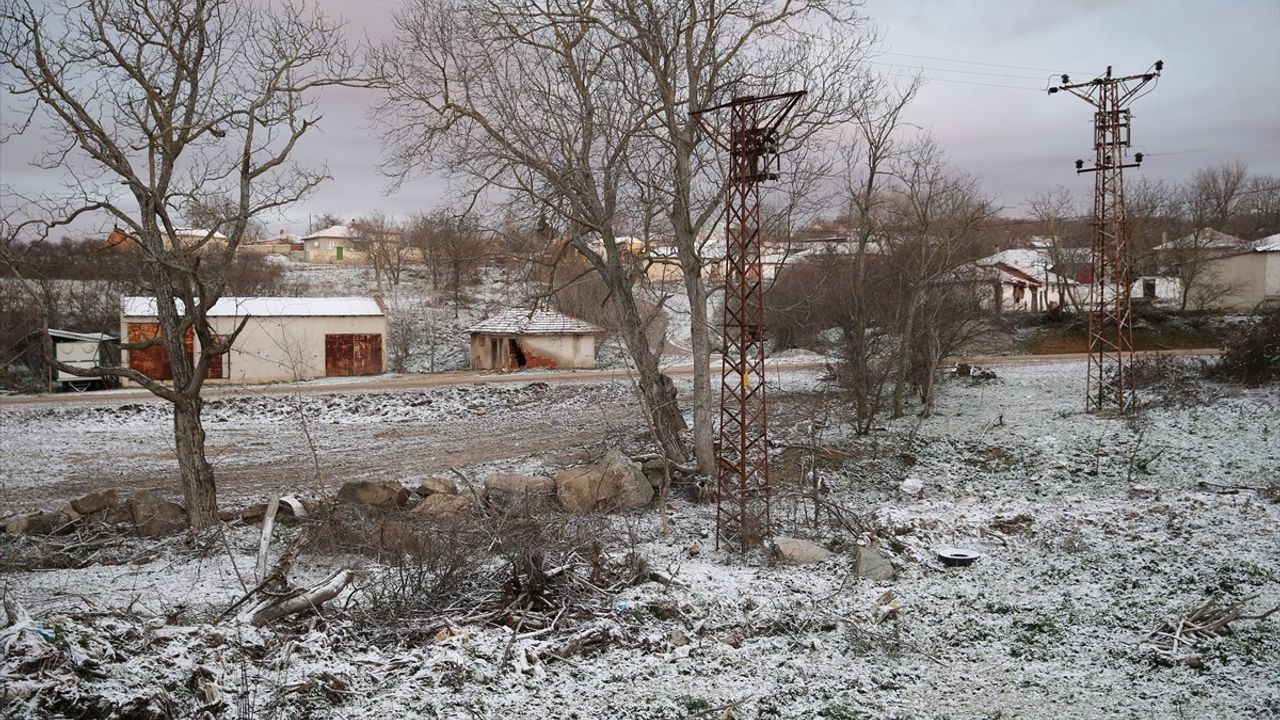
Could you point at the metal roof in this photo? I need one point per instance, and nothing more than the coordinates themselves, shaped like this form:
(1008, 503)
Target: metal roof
(1271, 243)
(269, 307)
(522, 321)
(80, 337)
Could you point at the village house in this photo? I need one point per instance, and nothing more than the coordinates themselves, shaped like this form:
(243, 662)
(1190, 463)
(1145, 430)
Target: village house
(284, 339)
(1245, 278)
(521, 338)
(330, 245)
(1029, 280)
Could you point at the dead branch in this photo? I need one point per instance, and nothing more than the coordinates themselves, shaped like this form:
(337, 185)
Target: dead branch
(1175, 640)
(301, 600)
(268, 524)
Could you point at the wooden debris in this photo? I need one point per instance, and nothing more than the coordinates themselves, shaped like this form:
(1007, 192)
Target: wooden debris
(1176, 641)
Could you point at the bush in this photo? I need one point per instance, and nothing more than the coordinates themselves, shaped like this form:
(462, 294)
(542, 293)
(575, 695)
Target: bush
(1251, 354)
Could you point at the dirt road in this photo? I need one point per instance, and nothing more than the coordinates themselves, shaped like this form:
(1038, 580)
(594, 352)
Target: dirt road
(474, 377)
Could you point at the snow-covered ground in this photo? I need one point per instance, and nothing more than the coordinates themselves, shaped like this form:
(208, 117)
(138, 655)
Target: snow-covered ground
(1091, 532)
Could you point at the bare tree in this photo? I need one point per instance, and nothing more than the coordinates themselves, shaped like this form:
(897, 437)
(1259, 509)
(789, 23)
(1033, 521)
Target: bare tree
(584, 107)
(1208, 204)
(1057, 213)
(934, 215)
(385, 246)
(869, 158)
(531, 100)
(454, 248)
(152, 106)
(688, 56)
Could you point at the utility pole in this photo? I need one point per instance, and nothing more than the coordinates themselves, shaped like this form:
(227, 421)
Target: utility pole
(1109, 387)
(742, 451)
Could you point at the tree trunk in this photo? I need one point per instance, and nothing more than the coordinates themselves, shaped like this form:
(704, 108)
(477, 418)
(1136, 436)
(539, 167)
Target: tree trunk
(195, 473)
(656, 388)
(703, 397)
(904, 360)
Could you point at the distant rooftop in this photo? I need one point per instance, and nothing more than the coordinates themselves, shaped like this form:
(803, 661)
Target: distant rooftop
(1205, 239)
(333, 231)
(269, 307)
(522, 321)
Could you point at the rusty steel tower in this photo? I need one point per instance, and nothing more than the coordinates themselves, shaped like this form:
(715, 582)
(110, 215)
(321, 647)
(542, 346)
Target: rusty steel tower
(742, 452)
(1109, 388)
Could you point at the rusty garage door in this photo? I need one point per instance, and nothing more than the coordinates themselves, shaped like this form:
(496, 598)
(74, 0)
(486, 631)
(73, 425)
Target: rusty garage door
(352, 354)
(154, 361)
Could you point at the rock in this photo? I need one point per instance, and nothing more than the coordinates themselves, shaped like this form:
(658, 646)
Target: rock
(616, 483)
(385, 495)
(913, 486)
(794, 551)
(1142, 492)
(998, 454)
(508, 490)
(654, 471)
(95, 502)
(153, 516)
(443, 506)
(44, 523)
(1012, 524)
(679, 638)
(870, 563)
(437, 486)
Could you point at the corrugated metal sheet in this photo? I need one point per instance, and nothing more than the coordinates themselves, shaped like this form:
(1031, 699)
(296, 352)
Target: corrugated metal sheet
(269, 307)
(521, 321)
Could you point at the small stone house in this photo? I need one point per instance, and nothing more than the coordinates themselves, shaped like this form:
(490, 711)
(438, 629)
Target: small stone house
(521, 338)
(330, 245)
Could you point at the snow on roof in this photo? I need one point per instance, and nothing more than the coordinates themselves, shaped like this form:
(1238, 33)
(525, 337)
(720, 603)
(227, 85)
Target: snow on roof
(521, 321)
(197, 233)
(333, 231)
(82, 337)
(269, 307)
(1271, 243)
(1205, 239)
(1032, 259)
(1034, 262)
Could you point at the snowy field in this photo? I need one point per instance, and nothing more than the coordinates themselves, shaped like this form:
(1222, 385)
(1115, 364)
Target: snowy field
(1091, 532)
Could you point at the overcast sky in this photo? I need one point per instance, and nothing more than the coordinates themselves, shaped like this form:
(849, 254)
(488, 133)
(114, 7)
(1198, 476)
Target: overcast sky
(986, 64)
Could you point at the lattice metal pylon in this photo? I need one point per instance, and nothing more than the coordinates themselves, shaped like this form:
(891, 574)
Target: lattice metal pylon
(1109, 387)
(742, 451)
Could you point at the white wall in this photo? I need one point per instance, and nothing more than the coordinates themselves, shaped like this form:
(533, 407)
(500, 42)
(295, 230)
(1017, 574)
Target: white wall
(274, 349)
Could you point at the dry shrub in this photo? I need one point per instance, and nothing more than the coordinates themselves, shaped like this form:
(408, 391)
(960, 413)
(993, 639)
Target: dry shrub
(511, 566)
(1251, 354)
(807, 298)
(1171, 381)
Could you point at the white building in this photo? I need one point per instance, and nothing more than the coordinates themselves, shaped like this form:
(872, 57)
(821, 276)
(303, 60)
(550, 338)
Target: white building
(1050, 288)
(330, 245)
(284, 338)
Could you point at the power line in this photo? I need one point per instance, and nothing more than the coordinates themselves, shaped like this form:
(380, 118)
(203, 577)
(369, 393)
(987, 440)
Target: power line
(949, 70)
(1272, 141)
(972, 62)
